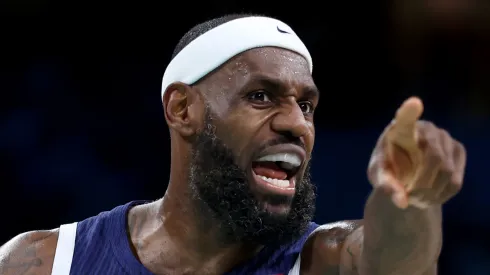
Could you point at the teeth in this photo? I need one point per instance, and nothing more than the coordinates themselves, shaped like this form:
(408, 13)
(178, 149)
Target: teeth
(286, 165)
(288, 160)
(276, 182)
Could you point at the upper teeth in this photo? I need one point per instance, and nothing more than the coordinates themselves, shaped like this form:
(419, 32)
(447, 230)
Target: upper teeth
(289, 159)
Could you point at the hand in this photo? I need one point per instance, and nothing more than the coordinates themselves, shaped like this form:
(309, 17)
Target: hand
(415, 162)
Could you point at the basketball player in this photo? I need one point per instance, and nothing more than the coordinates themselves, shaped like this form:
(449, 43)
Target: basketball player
(239, 99)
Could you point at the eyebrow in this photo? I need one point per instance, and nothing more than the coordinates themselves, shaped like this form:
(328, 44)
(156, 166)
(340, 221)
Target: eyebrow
(277, 84)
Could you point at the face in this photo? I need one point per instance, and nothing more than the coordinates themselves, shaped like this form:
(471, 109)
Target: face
(250, 162)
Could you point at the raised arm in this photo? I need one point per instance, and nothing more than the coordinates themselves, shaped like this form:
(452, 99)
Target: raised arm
(29, 253)
(392, 242)
(415, 168)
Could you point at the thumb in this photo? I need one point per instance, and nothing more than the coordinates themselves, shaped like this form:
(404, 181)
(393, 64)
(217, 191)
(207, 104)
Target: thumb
(390, 186)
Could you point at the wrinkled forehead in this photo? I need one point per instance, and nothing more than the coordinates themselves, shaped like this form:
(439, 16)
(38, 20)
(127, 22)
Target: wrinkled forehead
(278, 63)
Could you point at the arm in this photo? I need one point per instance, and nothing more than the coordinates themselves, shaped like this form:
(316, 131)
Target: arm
(415, 168)
(393, 240)
(322, 251)
(29, 253)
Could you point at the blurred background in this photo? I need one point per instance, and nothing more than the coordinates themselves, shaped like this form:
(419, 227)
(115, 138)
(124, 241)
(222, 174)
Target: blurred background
(82, 128)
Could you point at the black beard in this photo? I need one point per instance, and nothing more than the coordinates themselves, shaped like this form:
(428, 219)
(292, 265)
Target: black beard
(224, 200)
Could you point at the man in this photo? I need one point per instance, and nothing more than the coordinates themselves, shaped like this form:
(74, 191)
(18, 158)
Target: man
(239, 99)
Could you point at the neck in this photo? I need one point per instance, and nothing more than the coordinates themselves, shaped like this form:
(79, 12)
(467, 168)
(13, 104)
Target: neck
(169, 236)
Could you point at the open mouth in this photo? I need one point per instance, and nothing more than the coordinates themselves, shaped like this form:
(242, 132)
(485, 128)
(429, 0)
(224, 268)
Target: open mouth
(276, 172)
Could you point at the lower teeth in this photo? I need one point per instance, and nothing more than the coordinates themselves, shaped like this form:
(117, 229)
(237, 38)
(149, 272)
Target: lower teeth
(277, 182)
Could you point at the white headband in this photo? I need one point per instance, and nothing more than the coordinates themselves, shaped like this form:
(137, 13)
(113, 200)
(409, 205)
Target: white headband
(218, 45)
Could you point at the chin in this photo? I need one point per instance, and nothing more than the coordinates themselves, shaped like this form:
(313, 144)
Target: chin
(273, 203)
(278, 210)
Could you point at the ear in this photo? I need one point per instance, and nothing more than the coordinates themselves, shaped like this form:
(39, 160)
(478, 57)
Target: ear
(180, 109)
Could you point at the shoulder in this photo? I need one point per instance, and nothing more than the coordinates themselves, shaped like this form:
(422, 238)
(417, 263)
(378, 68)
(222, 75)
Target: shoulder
(322, 251)
(29, 253)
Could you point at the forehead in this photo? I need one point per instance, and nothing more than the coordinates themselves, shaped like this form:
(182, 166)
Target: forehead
(271, 60)
(281, 64)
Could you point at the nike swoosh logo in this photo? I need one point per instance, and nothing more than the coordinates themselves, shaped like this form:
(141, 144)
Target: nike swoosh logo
(281, 31)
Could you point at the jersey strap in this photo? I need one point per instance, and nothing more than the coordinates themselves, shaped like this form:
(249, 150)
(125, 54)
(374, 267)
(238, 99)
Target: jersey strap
(296, 270)
(64, 249)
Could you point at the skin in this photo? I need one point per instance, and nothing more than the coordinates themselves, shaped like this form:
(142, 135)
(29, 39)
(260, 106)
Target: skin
(414, 169)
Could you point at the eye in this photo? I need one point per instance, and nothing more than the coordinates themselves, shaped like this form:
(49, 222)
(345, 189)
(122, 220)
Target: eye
(306, 107)
(260, 96)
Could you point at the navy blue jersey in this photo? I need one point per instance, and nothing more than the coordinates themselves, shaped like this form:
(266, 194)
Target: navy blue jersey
(100, 246)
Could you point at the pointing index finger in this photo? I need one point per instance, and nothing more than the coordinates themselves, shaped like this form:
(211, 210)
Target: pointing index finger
(404, 131)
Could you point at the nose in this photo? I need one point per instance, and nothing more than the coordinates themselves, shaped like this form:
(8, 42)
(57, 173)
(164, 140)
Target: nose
(291, 122)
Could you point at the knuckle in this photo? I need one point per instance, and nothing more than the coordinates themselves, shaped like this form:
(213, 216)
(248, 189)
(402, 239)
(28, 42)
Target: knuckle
(459, 147)
(446, 169)
(427, 133)
(426, 125)
(434, 156)
(444, 134)
(453, 189)
(457, 186)
(456, 182)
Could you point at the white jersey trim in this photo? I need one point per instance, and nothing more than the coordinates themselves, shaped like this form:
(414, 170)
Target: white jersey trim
(295, 270)
(64, 249)
(297, 267)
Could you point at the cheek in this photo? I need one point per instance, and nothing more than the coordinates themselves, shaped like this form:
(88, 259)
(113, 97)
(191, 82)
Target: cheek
(309, 139)
(236, 134)
(239, 135)
(219, 107)
(242, 122)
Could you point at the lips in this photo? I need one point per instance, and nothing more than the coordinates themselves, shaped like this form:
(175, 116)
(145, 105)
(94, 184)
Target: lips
(283, 149)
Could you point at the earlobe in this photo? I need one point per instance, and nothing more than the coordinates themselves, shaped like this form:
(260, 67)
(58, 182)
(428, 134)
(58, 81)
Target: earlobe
(177, 100)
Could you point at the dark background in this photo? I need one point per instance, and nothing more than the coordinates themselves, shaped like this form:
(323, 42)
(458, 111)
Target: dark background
(82, 128)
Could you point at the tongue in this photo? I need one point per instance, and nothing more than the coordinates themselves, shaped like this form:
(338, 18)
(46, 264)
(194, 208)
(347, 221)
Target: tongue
(269, 170)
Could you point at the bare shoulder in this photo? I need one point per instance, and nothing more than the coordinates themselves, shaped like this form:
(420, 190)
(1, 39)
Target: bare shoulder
(29, 253)
(322, 251)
